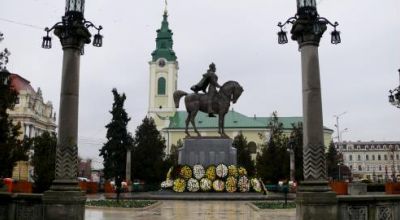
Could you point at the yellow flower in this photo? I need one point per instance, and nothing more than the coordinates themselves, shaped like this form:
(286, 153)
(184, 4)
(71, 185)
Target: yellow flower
(242, 171)
(186, 172)
(179, 185)
(232, 170)
(230, 184)
(210, 172)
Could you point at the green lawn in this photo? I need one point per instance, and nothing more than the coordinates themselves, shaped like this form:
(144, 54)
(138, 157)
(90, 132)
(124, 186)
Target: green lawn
(275, 205)
(121, 204)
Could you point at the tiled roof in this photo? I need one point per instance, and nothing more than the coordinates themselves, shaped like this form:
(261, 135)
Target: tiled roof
(233, 119)
(19, 83)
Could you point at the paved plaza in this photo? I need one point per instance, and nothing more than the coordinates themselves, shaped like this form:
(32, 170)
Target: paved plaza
(193, 210)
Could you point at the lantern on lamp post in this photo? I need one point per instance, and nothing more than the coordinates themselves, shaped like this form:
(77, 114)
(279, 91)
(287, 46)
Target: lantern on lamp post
(394, 96)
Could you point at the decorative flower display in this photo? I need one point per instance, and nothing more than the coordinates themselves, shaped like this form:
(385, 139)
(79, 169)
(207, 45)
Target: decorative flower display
(222, 171)
(210, 173)
(205, 185)
(232, 171)
(198, 171)
(193, 185)
(230, 184)
(244, 185)
(255, 184)
(179, 185)
(186, 172)
(215, 178)
(167, 184)
(242, 171)
(218, 185)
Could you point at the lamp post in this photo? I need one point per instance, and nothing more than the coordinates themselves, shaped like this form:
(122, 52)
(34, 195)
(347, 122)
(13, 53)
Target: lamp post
(395, 99)
(65, 200)
(314, 197)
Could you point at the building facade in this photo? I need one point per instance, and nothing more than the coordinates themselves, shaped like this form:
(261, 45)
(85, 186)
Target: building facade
(34, 116)
(374, 160)
(171, 122)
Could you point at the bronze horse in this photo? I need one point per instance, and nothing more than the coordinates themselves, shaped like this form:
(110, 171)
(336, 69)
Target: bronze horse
(229, 92)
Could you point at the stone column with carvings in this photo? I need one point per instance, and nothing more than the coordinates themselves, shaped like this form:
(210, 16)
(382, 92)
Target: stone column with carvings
(314, 200)
(65, 200)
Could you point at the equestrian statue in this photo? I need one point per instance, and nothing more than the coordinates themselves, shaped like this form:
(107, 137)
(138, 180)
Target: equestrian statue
(210, 101)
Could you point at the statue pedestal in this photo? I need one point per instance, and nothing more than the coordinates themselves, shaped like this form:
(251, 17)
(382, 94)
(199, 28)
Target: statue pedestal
(207, 151)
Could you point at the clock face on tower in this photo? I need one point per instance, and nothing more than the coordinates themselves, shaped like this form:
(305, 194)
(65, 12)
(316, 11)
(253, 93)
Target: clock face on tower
(161, 63)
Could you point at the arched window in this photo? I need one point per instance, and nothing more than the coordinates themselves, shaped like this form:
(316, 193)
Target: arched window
(379, 157)
(385, 156)
(359, 157)
(373, 157)
(161, 84)
(350, 157)
(366, 157)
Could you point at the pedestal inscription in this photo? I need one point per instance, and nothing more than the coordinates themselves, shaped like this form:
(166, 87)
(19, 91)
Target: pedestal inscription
(207, 151)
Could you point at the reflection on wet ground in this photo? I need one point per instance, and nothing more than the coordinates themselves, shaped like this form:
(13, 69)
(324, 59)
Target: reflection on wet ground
(193, 210)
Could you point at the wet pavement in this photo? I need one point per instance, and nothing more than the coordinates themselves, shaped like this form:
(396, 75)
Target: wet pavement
(193, 210)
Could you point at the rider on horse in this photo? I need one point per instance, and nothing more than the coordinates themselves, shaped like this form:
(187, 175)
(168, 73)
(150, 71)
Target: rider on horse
(210, 80)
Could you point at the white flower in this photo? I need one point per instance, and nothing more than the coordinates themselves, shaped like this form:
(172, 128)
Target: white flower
(222, 171)
(205, 184)
(193, 185)
(198, 171)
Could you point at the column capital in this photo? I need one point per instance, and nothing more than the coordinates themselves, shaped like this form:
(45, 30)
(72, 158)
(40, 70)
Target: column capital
(74, 35)
(308, 30)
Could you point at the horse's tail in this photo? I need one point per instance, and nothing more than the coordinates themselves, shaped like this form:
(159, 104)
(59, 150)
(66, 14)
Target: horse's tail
(178, 94)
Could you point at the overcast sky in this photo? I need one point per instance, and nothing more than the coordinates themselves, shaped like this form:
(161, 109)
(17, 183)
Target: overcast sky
(239, 36)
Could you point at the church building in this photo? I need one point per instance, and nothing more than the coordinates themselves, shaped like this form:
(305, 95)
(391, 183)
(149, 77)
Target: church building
(171, 121)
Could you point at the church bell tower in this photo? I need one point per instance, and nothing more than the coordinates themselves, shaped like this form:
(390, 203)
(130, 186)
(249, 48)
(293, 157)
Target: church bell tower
(163, 76)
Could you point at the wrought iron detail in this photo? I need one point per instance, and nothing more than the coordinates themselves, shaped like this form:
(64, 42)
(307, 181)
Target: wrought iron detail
(357, 212)
(385, 213)
(314, 163)
(66, 162)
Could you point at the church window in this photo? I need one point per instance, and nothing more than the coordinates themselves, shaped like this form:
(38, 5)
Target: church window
(161, 86)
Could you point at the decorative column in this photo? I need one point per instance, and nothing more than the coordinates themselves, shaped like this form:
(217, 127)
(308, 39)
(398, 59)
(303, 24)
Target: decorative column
(65, 200)
(314, 199)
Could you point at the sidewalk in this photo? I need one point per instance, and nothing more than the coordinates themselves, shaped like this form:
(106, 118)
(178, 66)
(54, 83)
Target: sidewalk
(193, 210)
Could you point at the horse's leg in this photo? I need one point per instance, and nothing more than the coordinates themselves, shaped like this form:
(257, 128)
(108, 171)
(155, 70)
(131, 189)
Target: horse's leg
(193, 116)
(187, 125)
(221, 122)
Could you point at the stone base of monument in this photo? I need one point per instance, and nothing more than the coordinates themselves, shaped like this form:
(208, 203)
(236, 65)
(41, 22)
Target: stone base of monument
(207, 151)
(314, 200)
(64, 204)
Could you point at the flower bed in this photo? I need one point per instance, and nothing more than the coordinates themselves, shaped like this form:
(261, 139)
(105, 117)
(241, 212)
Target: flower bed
(121, 204)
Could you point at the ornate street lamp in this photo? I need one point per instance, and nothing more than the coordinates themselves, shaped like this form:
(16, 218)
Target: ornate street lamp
(395, 99)
(73, 23)
(307, 29)
(308, 18)
(65, 195)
